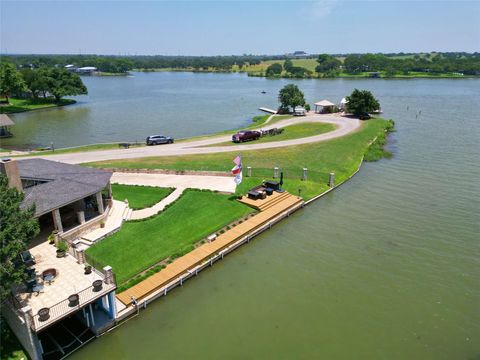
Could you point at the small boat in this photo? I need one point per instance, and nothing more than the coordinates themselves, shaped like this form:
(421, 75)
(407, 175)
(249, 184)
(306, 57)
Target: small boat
(264, 92)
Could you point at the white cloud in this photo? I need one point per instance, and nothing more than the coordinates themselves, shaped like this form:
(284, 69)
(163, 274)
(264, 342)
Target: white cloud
(323, 8)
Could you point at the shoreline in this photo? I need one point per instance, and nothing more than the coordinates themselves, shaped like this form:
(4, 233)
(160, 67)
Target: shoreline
(66, 102)
(131, 311)
(346, 76)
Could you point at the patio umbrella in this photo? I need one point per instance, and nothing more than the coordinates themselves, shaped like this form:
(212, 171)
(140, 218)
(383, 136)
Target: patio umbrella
(281, 178)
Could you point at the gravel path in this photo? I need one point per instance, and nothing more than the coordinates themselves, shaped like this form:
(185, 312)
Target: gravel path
(344, 126)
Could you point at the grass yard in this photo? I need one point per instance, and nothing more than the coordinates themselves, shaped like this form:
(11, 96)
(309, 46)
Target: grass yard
(21, 105)
(257, 122)
(140, 197)
(141, 244)
(290, 132)
(308, 64)
(341, 156)
(93, 147)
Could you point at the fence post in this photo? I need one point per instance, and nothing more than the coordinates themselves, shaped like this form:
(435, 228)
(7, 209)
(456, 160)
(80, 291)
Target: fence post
(331, 180)
(80, 255)
(107, 270)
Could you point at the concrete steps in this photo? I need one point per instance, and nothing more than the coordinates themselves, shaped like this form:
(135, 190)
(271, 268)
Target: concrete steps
(115, 219)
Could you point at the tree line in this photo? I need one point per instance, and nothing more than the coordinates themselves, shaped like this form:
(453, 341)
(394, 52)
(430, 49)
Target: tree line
(332, 66)
(328, 65)
(121, 64)
(467, 64)
(41, 82)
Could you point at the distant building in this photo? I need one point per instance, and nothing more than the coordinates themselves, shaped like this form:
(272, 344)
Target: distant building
(86, 70)
(70, 67)
(297, 55)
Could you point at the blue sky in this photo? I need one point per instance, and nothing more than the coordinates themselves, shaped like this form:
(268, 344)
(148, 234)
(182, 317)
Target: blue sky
(237, 27)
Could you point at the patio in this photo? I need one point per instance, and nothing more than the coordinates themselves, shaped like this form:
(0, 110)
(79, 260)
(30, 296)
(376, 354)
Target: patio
(53, 293)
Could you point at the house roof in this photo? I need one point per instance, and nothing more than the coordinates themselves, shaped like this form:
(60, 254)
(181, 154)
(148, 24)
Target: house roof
(64, 183)
(5, 120)
(324, 103)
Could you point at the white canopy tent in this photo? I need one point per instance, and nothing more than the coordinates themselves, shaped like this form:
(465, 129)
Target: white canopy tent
(323, 104)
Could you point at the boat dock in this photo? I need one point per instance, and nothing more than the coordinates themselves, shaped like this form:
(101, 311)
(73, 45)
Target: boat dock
(271, 210)
(267, 110)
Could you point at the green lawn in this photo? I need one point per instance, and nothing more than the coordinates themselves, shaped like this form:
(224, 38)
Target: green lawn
(21, 105)
(10, 347)
(341, 156)
(257, 122)
(290, 132)
(93, 147)
(140, 197)
(141, 244)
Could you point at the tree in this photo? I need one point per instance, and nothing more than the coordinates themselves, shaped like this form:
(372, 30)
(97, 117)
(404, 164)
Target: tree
(327, 63)
(290, 96)
(64, 83)
(36, 80)
(11, 81)
(299, 72)
(288, 65)
(274, 69)
(361, 101)
(17, 227)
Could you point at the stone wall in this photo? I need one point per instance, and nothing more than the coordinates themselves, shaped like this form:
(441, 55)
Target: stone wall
(170, 172)
(19, 323)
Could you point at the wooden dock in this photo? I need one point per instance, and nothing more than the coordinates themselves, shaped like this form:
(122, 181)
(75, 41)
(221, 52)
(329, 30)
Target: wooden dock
(267, 110)
(272, 209)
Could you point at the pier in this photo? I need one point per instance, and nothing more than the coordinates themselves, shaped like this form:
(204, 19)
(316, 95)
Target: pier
(267, 110)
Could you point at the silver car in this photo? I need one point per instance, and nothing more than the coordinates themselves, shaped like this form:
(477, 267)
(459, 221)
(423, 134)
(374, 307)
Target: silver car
(159, 139)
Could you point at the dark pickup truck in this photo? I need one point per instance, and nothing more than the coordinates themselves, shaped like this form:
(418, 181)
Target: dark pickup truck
(246, 135)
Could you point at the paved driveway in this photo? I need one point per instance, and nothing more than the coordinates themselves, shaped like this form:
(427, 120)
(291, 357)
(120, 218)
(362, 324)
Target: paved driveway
(203, 146)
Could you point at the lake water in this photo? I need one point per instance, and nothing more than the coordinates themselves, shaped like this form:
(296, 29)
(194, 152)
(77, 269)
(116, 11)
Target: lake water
(385, 267)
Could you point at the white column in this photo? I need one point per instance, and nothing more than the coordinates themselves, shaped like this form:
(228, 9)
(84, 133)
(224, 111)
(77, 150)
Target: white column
(57, 220)
(81, 217)
(101, 209)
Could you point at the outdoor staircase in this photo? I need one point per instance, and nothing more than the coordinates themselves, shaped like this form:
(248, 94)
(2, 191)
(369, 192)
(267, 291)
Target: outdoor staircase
(119, 212)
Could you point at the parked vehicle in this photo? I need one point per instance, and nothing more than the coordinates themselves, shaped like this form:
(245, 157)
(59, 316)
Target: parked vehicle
(272, 132)
(246, 135)
(159, 139)
(364, 116)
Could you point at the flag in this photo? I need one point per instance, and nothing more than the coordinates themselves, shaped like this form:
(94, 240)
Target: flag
(238, 178)
(238, 160)
(237, 170)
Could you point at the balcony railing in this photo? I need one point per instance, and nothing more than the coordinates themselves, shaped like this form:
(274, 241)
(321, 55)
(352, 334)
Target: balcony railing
(71, 305)
(86, 227)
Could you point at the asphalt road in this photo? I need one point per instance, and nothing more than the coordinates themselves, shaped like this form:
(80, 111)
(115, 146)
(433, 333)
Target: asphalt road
(343, 125)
